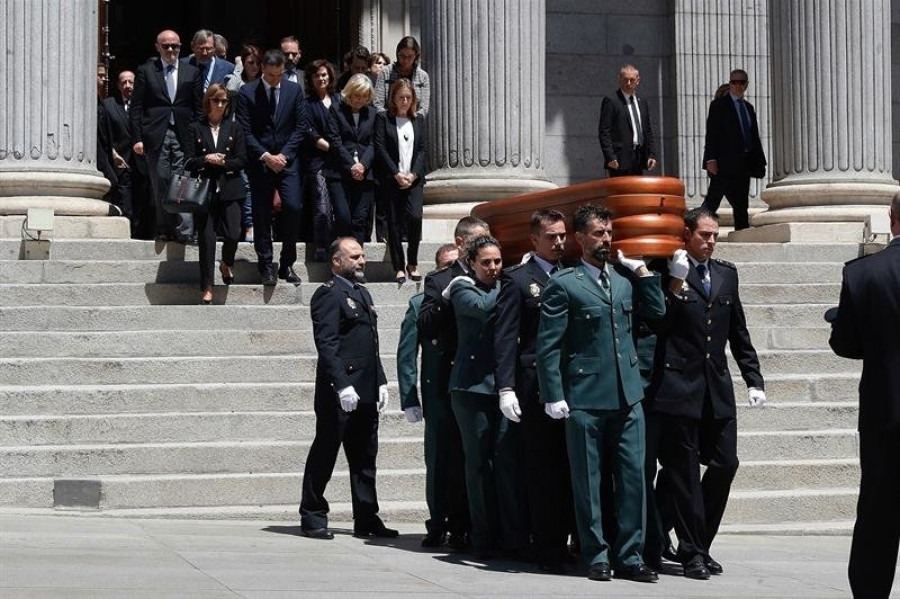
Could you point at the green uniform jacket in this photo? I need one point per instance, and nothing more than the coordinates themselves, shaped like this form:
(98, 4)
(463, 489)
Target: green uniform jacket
(585, 346)
(473, 368)
(407, 360)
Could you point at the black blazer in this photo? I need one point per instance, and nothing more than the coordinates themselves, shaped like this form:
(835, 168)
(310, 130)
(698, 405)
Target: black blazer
(281, 136)
(725, 140)
(690, 360)
(228, 180)
(866, 329)
(616, 133)
(317, 127)
(387, 149)
(345, 330)
(437, 322)
(346, 138)
(151, 107)
(119, 129)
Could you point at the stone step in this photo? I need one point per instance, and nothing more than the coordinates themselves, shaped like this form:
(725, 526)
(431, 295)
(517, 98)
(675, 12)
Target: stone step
(797, 528)
(186, 318)
(177, 428)
(786, 315)
(777, 415)
(790, 337)
(769, 507)
(797, 445)
(135, 492)
(800, 361)
(149, 294)
(789, 474)
(214, 457)
(778, 293)
(740, 253)
(789, 272)
(830, 387)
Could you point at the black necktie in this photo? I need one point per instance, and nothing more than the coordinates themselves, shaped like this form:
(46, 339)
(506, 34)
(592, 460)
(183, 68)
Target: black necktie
(272, 102)
(701, 270)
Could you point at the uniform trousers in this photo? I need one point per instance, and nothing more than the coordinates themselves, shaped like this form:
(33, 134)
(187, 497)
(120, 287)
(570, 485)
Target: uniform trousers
(445, 480)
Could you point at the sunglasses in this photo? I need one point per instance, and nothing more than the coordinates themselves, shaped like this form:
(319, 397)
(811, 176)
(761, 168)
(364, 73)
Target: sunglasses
(739, 82)
(171, 46)
(218, 101)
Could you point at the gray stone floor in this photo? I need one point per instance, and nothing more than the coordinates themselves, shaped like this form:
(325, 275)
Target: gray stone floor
(72, 556)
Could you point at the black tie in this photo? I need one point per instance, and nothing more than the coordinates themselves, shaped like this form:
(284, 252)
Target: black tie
(637, 120)
(272, 102)
(701, 270)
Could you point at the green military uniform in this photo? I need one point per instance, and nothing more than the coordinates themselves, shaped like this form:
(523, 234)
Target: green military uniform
(440, 423)
(491, 482)
(586, 356)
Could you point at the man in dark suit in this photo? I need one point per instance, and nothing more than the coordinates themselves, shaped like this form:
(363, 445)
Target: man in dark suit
(212, 69)
(733, 152)
(440, 425)
(626, 136)
(273, 114)
(588, 373)
(865, 327)
(293, 72)
(351, 390)
(692, 390)
(543, 440)
(437, 326)
(167, 97)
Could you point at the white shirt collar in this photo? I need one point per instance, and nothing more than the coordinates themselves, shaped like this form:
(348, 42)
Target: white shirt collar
(267, 87)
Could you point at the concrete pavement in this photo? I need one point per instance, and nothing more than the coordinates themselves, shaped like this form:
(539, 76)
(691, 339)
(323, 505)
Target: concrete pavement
(47, 554)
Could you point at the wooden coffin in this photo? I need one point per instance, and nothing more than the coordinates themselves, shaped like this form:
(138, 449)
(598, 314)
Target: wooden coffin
(647, 215)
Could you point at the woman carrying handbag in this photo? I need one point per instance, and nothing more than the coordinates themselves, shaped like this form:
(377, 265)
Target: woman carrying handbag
(216, 150)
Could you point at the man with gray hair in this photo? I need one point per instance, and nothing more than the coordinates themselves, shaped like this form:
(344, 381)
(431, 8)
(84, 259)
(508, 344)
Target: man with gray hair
(212, 69)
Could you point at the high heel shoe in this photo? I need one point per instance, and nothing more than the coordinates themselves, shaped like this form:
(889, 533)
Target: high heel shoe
(203, 299)
(400, 278)
(413, 273)
(227, 274)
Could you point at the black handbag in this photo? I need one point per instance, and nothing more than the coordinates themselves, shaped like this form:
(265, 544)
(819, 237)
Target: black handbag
(186, 194)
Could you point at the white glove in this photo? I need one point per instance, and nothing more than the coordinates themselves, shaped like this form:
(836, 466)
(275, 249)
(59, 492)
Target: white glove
(383, 397)
(456, 280)
(525, 257)
(557, 409)
(757, 397)
(413, 414)
(679, 266)
(349, 398)
(630, 263)
(509, 405)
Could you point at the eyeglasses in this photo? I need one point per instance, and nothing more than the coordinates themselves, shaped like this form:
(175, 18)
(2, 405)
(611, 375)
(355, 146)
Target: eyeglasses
(739, 82)
(219, 101)
(171, 46)
(289, 54)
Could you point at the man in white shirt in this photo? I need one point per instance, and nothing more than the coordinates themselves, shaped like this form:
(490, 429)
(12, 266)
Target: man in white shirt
(626, 135)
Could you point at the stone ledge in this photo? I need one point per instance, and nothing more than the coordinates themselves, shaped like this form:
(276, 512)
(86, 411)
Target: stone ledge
(72, 227)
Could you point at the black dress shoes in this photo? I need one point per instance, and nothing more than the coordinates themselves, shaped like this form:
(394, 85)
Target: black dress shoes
(713, 566)
(269, 279)
(433, 540)
(289, 275)
(378, 530)
(599, 572)
(696, 569)
(637, 573)
(317, 533)
(457, 541)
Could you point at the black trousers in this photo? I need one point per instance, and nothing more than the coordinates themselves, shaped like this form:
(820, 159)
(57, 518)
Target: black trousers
(737, 189)
(263, 184)
(228, 214)
(656, 537)
(697, 505)
(358, 432)
(352, 202)
(873, 553)
(404, 206)
(637, 162)
(551, 511)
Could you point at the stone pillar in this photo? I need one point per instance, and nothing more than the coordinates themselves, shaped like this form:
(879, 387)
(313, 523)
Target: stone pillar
(486, 121)
(831, 98)
(711, 39)
(48, 126)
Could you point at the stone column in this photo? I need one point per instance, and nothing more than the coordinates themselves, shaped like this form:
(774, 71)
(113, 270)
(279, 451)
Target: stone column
(486, 121)
(711, 39)
(48, 125)
(831, 162)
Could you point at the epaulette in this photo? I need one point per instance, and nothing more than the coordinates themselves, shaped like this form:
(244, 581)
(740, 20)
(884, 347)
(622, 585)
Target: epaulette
(565, 271)
(328, 283)
(513, 268)
(725, 263)
(849, 262)
(434, 272)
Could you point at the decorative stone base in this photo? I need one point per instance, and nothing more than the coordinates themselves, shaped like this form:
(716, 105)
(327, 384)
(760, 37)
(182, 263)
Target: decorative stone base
(811, 232)
(439, 220)
(450, 190)
(61, 206)
(72, 227)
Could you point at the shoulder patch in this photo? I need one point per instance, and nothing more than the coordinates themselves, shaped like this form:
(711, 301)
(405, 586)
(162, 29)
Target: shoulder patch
(725, 263)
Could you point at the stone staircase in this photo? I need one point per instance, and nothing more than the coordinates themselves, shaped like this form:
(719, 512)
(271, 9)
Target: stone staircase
(109, 372)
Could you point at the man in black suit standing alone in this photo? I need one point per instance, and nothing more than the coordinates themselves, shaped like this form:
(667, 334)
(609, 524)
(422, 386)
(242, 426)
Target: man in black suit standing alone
(626, 136)
(274, 116)
(692, 390)
(167, 97)
(351, 390)
(865, 327)
(733, 151)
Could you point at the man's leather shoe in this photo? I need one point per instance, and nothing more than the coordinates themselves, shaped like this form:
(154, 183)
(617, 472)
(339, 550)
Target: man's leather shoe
(713, 566)
(637, 573)
(457, 541)
(434, 539)
(269, 279)
(289, 275)
(317, 533)
(377, 530)
(599, 572)
(696, 570)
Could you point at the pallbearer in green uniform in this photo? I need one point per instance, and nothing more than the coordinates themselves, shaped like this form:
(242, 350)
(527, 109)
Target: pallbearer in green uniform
(439, 421)
(588, 373)
(491, 480)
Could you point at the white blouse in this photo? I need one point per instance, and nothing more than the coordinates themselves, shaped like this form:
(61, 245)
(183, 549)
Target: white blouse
(406, 139)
